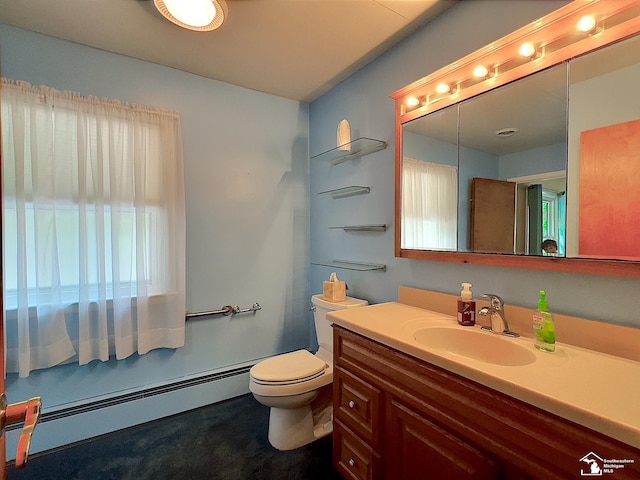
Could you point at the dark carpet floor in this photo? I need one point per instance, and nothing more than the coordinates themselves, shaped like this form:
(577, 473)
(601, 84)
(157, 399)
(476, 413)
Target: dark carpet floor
(226, 441)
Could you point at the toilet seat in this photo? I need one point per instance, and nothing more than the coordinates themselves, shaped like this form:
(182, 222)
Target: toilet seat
(288, 368)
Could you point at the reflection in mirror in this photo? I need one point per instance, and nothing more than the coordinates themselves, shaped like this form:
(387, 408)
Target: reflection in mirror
(430, 182)
(594, 224)
(604, 141)
(508, 148)
(512, 163)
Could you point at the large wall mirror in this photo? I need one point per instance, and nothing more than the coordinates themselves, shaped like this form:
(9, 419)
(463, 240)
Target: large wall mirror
(534, 164)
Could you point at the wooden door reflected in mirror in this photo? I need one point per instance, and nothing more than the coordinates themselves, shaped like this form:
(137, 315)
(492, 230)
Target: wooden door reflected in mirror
(493, 213)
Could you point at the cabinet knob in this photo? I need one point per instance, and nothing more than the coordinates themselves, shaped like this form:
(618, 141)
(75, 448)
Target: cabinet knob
(352, 462)
(352, 404)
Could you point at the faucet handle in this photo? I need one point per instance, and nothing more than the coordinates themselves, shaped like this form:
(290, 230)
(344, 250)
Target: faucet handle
(496, 301)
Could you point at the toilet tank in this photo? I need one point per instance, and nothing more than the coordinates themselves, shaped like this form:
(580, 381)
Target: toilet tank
(324, 331)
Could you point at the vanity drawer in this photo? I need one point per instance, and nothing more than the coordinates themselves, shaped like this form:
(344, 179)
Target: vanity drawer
(354, 458)
(357, 404)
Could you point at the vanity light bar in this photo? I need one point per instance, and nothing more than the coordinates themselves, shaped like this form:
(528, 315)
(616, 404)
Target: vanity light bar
(578, 27)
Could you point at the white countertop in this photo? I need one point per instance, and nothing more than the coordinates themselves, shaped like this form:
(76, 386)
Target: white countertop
(593, 389)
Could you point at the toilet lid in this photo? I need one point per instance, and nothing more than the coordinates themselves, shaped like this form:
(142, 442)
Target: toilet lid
(288, 367)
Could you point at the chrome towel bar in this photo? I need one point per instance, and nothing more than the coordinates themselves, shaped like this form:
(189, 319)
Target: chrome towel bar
(256, 306)
(226, 310)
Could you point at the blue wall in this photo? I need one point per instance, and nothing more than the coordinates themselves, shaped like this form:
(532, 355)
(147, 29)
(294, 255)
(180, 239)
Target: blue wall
(255, 223)
(550, 158)
(430, 149)
(363, 100)
(246, 171)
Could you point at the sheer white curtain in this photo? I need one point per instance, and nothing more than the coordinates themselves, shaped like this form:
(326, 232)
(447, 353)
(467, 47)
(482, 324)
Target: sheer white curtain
(429, 205)
(93, 228)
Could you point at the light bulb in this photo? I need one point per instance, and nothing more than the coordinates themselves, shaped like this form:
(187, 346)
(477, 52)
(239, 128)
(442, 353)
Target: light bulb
(413, 102)
(480, 71)
(587, 24)
(443, 88)
(527, 50)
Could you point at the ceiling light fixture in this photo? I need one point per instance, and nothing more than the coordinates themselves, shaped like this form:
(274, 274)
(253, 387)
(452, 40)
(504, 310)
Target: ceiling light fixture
(198, 15)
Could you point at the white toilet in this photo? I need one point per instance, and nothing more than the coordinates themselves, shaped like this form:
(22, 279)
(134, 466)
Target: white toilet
(298, 385)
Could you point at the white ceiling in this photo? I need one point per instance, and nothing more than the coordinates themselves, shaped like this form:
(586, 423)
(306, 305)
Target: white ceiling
(296, 49)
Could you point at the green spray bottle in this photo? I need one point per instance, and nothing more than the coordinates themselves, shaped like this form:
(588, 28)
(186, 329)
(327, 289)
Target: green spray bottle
(543, 326)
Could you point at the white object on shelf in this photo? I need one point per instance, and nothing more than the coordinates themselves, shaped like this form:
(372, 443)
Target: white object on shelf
(344, 136)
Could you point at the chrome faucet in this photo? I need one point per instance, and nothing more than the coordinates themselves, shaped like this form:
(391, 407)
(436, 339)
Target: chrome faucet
(495, 311)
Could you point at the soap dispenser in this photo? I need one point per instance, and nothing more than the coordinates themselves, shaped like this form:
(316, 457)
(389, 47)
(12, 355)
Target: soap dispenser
(543, 326)
(466, 306)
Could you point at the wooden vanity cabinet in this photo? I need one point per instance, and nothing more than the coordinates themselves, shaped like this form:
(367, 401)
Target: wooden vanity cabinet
(397, 417)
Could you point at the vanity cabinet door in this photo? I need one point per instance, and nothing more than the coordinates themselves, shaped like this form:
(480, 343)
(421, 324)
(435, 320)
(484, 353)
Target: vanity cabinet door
(417, 448)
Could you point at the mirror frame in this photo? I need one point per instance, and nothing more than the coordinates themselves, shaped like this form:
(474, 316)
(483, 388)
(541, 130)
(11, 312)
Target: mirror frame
(557, 40)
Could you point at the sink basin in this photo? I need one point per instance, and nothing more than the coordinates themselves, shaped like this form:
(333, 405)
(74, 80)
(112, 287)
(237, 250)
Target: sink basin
(475, 344)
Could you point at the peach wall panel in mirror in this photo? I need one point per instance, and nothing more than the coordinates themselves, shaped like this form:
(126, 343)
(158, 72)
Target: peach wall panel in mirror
(612, 231)
(565, 61)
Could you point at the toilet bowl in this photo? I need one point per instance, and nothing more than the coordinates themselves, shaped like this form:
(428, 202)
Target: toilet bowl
(297, 386)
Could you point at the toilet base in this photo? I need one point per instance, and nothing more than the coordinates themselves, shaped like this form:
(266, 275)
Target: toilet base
(293, 428)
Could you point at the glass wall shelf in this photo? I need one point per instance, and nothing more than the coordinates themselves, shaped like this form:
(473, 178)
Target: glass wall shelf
(364, 228)
(358, 266)
(347, 191)
(352, 150)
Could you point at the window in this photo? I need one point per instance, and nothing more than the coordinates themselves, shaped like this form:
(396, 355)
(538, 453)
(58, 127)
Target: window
(93, 228)
(553, 218)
